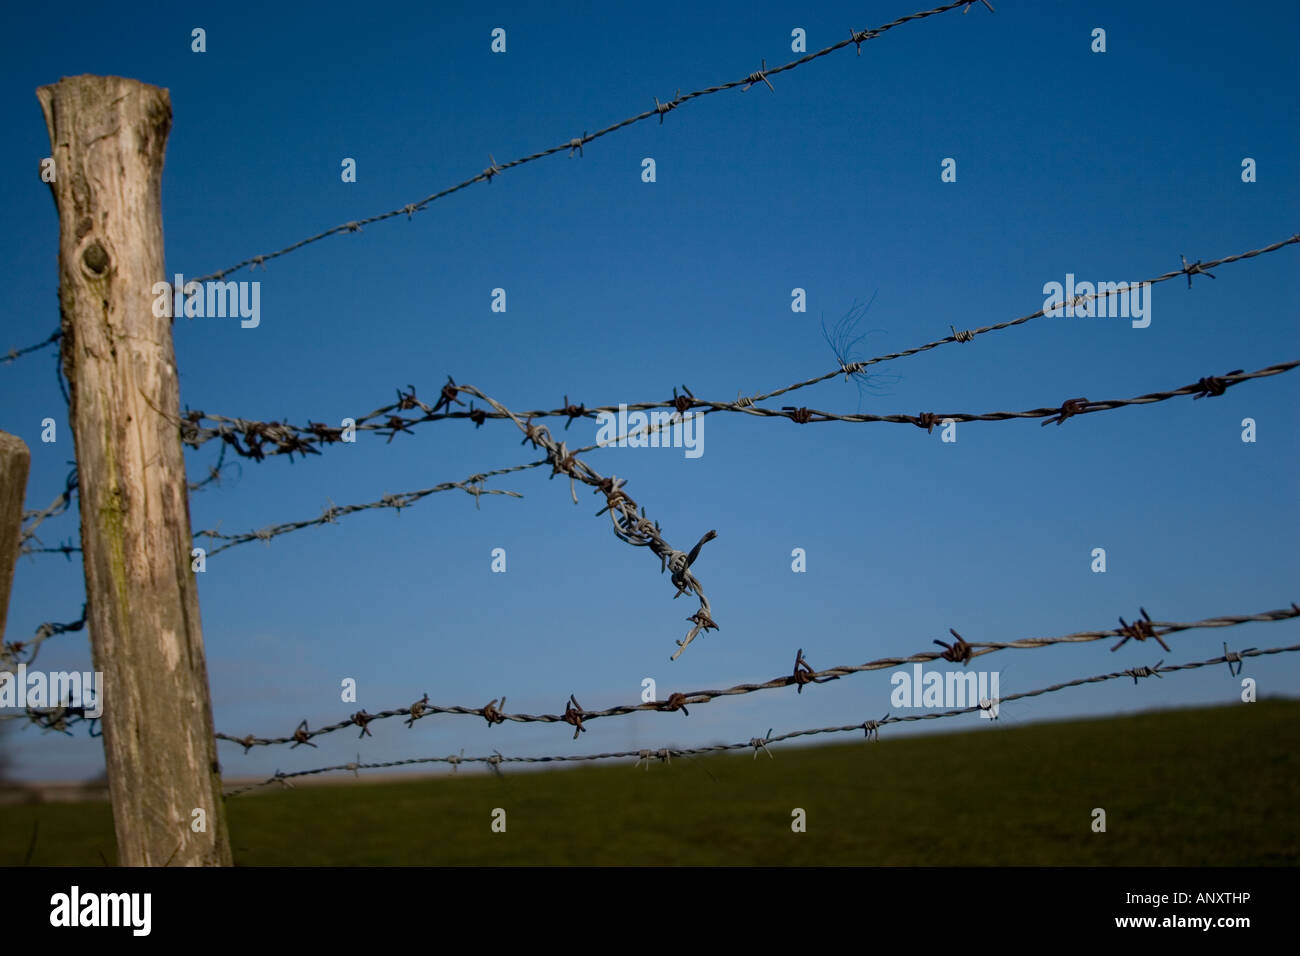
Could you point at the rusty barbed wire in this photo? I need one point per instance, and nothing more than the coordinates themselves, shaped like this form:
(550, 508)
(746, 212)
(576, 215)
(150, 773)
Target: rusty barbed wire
(289, 439)
(10, 652)
(870, 728)
(1207, 386)
(575, 144)
(636, 530)
(472, 485)
(802, 676)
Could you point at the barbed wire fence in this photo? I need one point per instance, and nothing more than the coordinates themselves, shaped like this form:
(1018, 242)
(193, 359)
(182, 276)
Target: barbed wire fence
(257, 440)
(870, 728)
(959, 651)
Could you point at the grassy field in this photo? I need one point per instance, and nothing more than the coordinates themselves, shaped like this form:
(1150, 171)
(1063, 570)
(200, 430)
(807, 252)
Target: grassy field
(1192, 787)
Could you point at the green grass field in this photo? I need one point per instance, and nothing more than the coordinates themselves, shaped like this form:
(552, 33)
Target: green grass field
(1192, 787)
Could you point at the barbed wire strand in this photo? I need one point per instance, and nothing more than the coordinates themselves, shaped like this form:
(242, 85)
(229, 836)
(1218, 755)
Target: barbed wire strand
(297, 440)
(10, 652)
(575, 144)
(471, 486)
(32, 519)
(635, 529)
(961, 651)
(44, 343)
(870, 728)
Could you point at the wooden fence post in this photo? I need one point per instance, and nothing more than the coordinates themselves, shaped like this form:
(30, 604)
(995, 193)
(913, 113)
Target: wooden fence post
(108, 136)
(14, 461)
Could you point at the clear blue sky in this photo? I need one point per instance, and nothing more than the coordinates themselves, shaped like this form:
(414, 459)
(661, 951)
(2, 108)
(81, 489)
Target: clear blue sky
(1107, 166)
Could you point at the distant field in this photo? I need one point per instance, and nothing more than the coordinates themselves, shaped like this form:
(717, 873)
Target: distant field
(1193, 787)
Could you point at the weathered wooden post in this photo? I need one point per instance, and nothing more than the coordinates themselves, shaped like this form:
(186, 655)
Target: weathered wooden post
(14, 461)
(108, 136)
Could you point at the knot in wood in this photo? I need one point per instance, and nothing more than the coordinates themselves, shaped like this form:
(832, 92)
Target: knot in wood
(95, 258)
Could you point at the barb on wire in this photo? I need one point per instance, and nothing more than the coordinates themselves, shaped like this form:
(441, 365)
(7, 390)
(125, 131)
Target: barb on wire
(12, 651)
(576, 143)
(961, 653)
(1232, 658)
(44, 343)
(1139, 630)
(665, 754)
(32, 519)
(635, 529)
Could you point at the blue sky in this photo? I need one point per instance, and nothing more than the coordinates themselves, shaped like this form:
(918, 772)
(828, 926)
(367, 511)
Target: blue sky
(1107, 166)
